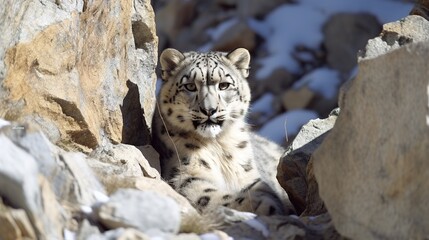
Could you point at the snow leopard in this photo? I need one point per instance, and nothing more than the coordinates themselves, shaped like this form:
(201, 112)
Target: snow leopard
(208, 152)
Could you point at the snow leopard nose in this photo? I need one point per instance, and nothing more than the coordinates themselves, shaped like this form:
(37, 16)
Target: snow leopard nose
(209, 111)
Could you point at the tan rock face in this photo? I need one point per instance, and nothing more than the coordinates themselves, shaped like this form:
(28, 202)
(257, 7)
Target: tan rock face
(372, 167)
(72, 76)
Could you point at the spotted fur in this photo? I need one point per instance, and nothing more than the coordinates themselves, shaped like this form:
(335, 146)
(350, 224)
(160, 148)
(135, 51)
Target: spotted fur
(207, 152)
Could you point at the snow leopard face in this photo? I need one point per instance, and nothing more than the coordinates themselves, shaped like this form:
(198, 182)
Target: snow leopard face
(204, 92)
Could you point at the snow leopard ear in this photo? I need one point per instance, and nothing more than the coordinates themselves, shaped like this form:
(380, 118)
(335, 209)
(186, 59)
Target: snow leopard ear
(170, 59)
(240, 57)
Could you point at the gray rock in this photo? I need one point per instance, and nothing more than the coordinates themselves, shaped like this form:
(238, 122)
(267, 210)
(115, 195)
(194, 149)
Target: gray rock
(372, 167)
(70, 177)
(86, 230)
(19, 180)
(410, 29)
(143, 210)
(114, 163)
(293, 171)
(119, 234)
(285, 227)
(344, 35)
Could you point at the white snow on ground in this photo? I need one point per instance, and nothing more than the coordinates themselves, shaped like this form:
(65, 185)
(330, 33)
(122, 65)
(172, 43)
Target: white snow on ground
(301, 24)
(324, 81)
(289, 122)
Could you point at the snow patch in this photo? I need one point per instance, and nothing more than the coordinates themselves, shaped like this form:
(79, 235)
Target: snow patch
(324, 81)
(301, 24)
(100, 197)
(289, 122)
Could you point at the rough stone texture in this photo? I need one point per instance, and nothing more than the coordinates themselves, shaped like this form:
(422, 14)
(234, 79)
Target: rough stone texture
(128, 157)
(344, 35)
(19, 186)
(69, 175)
(143, 210)
(372, 167)
(15, 224)
(412, 28)
(81, 70)
(188, 213)
(119, 163)
(161, 187)
(292, 170)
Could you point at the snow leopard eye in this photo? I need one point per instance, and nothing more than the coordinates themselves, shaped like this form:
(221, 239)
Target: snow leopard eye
(224, 85)
(191, 87)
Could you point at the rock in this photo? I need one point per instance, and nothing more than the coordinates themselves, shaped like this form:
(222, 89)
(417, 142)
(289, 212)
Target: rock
(174, 16)
(143, 210)
(372, 167)
(152, 157)
(237, 35)
(84, 72)
(344, 35)
(121, 161)
(86, 230)
(297, 98)
(160, 187)
(15, 224)
(421, 8)
(119, 234)
(292, 170)
(278, 81)
(258, 9)
(70, 177)
(128, 157)
(284, 227)
(19, 186)
(396, 34)
(191, 220)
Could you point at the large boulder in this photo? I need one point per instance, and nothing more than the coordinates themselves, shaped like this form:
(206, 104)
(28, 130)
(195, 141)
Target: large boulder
(32, 208)
(394, 35)
(143, 210)
(372, 167)
(82, 71)
(295, 170)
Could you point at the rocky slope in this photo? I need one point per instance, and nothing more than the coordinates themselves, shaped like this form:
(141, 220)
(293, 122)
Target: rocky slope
(76, 97)
(302, 51)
